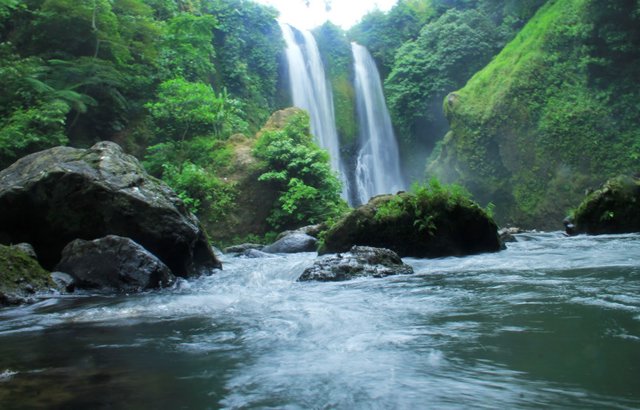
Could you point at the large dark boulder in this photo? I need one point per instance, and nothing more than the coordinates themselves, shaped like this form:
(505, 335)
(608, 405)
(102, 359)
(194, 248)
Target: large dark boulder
(21, 277)
(359, 261)
(614, 208)
(113, 262)
(55, 196)
(414, 225)
(293, 242)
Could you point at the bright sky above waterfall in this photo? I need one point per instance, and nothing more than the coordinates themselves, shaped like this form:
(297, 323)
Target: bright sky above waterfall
(312, 13)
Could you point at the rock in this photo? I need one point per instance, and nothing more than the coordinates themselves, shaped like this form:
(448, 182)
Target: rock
(311, 230)
(64, 281)
(414, 226)
(612, 209)
(507, 234)
(255, 254)
(359, 261)
(113, 262)
(52, 197)
(20, 277)
(293, 243)
(27, 249)
(243, 247)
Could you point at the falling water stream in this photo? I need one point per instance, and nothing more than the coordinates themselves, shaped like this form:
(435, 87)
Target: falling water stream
(551, 322)
(311, 91)
(378, 161)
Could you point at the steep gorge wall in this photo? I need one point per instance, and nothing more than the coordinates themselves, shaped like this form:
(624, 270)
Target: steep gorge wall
(553, 114)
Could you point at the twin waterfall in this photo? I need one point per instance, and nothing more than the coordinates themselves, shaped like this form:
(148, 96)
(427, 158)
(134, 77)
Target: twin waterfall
(376, 166)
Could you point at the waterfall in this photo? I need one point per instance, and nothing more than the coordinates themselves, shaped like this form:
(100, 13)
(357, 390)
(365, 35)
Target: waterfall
(311, 92)
(378, 162)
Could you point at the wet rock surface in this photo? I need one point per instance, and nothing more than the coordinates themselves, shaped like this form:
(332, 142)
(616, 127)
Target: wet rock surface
(358, 262)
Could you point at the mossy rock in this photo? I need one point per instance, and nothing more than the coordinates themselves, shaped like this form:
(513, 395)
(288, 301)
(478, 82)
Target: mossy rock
(414, 226)
(20, 276)
(614, 208)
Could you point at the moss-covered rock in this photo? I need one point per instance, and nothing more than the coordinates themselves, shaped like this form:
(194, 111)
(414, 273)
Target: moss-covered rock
(21, 276)
(552, 115)
(423, 224)
(614, 208)
(52, 197)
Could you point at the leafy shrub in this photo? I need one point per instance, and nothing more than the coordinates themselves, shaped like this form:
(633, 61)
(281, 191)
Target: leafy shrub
(200, 191)
(310, 191)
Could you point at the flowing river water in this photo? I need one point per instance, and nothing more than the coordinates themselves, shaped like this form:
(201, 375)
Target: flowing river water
(551, 322)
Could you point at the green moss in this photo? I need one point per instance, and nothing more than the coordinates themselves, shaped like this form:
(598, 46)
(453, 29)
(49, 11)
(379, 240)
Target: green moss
(20, 274)
(554, 107)
(344, 99)
(336, 51)
(431, 221)
(614, 208)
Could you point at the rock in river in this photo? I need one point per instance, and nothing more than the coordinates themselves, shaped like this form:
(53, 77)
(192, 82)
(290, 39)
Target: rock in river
(416, 225)
(612, 209)
(113, 262)
(359, 261)
(293, 242)
(53, 197)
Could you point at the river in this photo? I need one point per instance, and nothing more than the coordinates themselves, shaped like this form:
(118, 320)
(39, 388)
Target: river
(551, 322)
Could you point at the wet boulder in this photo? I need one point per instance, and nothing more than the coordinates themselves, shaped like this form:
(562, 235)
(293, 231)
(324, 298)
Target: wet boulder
(419, 225)
(53, 197)
(293, 242)
(612, 209)
(113, 262)
(358, 262)
(21, 277)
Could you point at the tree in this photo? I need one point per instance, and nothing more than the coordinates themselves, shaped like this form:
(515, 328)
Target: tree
(185, 109)
(187, 47)
(445, 55)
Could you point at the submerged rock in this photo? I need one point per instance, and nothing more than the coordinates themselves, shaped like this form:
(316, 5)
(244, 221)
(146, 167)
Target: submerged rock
(243, 247)
(507, 234)
(293, 242)
(415, 226)
(612, 209)
(52, 197)
(113, 262)
(256, 254)
(359, 261)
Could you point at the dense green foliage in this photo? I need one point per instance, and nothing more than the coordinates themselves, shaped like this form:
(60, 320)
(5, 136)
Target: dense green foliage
(428, 48)
(425, 202)
(83, 71)
(168, 80)
(554, 113)
(309, 190)
(384, 33)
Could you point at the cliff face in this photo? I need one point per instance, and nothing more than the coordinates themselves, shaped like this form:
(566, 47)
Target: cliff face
(553, 114)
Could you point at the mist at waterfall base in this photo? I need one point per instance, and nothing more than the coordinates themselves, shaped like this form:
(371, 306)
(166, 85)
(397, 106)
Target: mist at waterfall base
(376, 167)
(551, 322)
